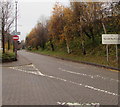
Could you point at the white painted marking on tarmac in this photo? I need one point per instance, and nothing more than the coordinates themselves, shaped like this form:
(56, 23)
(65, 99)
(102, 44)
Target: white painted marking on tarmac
(78, 104)
(90, 76)
(27, 71)
(57, 78)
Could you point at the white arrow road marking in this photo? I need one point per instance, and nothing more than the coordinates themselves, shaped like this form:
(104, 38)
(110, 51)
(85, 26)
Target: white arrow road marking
(57, 78)
(90, 76)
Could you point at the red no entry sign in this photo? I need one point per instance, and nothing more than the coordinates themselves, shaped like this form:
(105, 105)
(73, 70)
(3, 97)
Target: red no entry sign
(15, 37)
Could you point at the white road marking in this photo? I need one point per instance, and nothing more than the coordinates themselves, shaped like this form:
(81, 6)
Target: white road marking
(57, 78)
(90, 76)
(81, 67)
(76, 104)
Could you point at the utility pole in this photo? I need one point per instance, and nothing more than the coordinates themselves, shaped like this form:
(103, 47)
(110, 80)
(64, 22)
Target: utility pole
(16, 17)
(15, 29)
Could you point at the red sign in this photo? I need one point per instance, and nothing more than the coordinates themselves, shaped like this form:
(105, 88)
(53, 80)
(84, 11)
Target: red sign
(15, 37)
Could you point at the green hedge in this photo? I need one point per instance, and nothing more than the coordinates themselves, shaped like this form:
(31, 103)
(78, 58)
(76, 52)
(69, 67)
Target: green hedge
(8, 57)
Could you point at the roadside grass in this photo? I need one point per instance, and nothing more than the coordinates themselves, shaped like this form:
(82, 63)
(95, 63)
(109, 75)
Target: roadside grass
(8, 56)
(97, 59)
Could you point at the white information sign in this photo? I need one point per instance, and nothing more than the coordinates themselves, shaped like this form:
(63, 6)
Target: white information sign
(15, 33)
(110, 38)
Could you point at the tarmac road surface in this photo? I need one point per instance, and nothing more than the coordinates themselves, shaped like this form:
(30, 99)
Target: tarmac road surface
(42, 80)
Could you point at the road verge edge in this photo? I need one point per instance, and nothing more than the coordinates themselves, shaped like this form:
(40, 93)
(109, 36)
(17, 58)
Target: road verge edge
(83, 62)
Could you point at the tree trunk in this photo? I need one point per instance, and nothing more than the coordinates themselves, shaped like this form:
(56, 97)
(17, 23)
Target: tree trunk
(8, 43)
(3, 39)
(37, 47)
(83, 48)
(104, 28)
(52, 46)
(3, 31)
(92, 35)
(68, 47)
(43, 46)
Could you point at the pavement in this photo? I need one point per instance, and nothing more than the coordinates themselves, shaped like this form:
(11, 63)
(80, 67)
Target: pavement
(42, 80)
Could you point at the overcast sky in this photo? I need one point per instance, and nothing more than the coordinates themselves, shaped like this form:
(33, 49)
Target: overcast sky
(30, 11)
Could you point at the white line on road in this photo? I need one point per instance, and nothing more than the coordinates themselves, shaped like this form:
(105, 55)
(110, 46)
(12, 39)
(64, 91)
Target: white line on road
(57, 78)
(90, 76)
(79, 104)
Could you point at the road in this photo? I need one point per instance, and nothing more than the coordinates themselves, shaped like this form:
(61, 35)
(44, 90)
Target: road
(45, 80)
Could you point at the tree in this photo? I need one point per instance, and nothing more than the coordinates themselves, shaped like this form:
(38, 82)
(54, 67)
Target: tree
(78, 9)
(68, 27)
(41, 33)
(56, 24)
(78, 26)
(38, 36)
(6, 19)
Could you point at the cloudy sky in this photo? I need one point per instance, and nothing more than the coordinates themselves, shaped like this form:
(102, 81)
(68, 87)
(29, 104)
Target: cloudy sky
(31, 11)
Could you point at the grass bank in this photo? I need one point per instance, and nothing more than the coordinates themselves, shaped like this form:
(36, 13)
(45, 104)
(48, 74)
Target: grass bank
(7, 56)
(86, 58)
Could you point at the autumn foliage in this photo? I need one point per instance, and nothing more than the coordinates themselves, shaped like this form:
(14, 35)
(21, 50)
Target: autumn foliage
(76, 27)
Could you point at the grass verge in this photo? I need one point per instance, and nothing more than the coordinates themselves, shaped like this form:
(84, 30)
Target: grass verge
(86, 58)
(7, 57)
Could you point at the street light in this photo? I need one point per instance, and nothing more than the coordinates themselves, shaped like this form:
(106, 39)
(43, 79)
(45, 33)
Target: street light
(15, 42)
(16, 2)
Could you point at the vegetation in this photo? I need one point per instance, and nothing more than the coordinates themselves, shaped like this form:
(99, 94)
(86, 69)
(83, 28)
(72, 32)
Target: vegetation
(8, 56)
(6, 22)
(76, 31)
(74, 57)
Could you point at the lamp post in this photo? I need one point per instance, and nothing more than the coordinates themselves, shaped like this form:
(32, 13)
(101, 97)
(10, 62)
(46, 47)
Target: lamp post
(16, 16)
(15, 42)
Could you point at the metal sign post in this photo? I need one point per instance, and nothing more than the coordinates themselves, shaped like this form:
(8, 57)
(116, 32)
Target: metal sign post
(111, 39)
(15, 38)
(15, 50)
(107, 52)
(117, 52)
